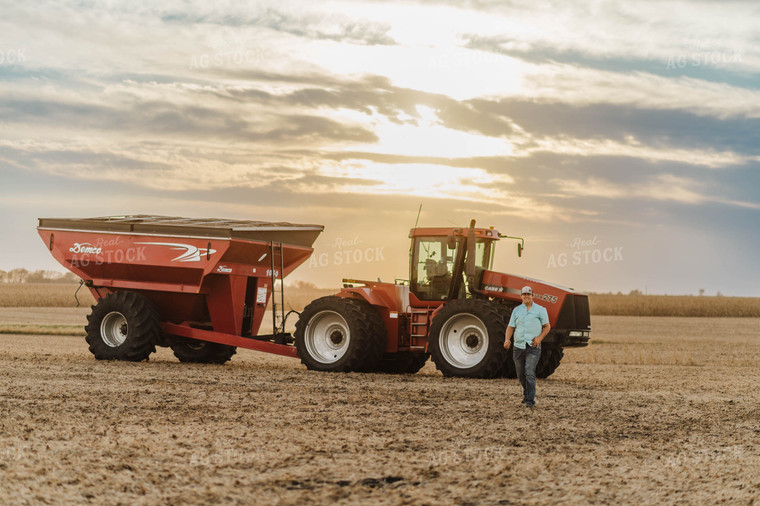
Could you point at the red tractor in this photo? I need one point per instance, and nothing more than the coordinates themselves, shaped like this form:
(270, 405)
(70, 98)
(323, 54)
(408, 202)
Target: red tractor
(453, 308)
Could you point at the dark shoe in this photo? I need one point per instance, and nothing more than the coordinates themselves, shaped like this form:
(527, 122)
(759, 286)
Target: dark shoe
(531, 406)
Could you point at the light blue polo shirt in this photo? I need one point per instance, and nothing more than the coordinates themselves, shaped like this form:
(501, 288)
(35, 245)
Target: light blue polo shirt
(527, 324)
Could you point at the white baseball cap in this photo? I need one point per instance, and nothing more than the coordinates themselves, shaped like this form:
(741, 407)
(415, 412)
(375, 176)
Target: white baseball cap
(526, 289)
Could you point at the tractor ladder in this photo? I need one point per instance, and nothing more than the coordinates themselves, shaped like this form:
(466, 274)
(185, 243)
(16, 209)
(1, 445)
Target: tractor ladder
(420, 321)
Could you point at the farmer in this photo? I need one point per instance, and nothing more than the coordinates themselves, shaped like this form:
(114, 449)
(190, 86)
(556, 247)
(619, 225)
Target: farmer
(529, 323)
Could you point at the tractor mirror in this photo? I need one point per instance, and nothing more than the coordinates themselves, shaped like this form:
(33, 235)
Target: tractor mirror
(452, 242)
(519, 249)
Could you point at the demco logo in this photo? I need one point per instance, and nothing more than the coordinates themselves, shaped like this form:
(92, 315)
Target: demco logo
(85, 248)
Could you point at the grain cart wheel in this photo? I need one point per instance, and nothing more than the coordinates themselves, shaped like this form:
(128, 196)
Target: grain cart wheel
(467, 339)
(404, 362)
(338, 334)
(201, 352)
(123, 326)
(549, 361)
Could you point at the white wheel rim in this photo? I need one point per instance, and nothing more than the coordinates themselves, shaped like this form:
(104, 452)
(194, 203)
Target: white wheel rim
(327, 337)
(464, 341)
(114, 329)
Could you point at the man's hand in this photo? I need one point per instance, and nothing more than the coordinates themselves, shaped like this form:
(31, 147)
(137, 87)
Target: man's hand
(508, 337)
(544, 331)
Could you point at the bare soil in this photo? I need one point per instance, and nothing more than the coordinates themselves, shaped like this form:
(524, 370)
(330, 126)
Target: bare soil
(656, 410)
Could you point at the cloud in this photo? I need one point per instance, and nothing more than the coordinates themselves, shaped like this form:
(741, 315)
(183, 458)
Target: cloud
(626, 124)
(351, 99)
(662, 187)
(617, 32)
(150, 110)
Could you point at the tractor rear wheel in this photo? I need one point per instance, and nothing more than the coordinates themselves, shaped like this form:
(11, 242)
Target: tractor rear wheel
(404, 362)
(123, 326)
(201, 352)
(340, 335)
(549, 361)
(467, 339)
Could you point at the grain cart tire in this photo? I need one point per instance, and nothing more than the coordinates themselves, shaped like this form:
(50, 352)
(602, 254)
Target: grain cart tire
(404, 362)
(549, 361)
(467, 339)
(201, 352)
(340, 335)
(123, 326)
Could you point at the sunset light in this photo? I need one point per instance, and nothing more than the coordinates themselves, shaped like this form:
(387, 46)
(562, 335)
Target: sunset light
(380, 252)
(547, 121)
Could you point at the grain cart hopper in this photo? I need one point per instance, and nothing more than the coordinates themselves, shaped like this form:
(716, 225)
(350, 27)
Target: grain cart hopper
(453, 308)
(200, 286)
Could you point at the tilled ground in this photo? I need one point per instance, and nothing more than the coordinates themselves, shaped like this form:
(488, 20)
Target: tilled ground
(659, 410)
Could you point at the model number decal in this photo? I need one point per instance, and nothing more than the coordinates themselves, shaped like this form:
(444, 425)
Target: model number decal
(546, 297)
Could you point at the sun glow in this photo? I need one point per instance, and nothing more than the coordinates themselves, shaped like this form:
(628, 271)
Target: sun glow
(419, 179)
(426, 136)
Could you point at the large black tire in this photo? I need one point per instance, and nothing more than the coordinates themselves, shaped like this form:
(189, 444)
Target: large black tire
(123, 326)
(508, 371)
(340, 335)
(549, 361)
(201, 352)
(404, 362)
(466, 339)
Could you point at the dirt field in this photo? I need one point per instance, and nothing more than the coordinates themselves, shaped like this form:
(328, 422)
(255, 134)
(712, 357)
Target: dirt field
(663, 410)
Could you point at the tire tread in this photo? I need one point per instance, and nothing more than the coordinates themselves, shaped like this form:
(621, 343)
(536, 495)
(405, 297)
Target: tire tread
(143, 321)
(491, 314)
(366, 330)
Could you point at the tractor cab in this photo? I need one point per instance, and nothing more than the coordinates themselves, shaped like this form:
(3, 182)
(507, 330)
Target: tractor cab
(447, 263)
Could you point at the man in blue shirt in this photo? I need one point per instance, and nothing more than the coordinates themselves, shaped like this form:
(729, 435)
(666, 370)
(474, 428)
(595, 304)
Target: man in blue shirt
(529, 323)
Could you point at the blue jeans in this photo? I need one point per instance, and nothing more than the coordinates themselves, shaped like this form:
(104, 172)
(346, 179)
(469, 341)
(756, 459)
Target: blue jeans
(525, 365)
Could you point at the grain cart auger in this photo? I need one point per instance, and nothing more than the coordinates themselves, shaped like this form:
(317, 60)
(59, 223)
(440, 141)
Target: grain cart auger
(200, 286)
(453, 308)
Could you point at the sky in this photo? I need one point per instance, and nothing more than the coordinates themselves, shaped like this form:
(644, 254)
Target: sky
(619, 139)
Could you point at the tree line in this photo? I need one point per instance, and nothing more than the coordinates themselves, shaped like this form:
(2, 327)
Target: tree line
(41, 276)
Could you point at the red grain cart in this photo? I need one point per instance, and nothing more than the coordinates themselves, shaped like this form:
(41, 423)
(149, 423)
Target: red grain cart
(200, 286)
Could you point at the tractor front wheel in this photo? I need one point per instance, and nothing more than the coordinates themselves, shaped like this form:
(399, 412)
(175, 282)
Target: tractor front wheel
(549, 361)
(340, 335)
(509, 370)
(123, 326)
(467, 339)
